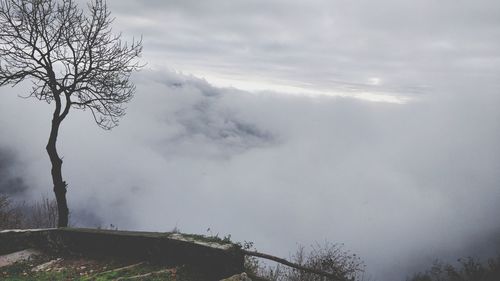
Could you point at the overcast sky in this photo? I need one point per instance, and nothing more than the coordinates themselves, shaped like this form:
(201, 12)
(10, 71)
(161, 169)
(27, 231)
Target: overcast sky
(369, 123)
(393, 47)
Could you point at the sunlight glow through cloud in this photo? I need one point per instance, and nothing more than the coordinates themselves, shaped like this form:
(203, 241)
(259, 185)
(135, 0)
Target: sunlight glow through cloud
(254, 85)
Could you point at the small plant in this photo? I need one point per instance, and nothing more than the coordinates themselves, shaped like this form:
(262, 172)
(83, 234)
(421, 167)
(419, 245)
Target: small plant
(176, 229)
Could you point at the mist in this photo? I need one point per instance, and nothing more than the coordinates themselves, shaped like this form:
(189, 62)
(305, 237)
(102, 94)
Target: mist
(398, 184)
(286, 123)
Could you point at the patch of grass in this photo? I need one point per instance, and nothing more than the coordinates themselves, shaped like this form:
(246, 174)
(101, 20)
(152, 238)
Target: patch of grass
(22, 272)
(134, 271)
(207, 239)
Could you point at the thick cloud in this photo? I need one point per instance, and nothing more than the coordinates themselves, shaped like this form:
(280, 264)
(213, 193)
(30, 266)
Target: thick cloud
(400, 181)
(396, 183)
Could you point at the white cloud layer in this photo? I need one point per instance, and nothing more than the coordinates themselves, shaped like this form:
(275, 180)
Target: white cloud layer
(401, 181)
(393, 182)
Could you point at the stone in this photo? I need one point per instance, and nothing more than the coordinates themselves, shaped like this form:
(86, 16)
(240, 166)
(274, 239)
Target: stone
(239, 277)
(46, 266)
(10, 259)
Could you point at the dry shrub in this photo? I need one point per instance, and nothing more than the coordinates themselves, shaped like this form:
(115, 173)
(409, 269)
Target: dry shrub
(468, 269)
(10, 217)
(39, 214)
(327, 257)
(42, 214)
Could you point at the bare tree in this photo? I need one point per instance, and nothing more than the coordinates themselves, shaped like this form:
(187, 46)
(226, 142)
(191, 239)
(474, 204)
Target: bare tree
(74, 62)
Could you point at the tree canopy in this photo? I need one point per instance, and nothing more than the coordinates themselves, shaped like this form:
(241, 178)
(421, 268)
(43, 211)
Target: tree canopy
(70, 55)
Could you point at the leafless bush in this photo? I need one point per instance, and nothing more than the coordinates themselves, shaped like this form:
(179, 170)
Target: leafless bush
(467, 269)
(10, 217)
(327, 257)
(42, 214)
(39, 214)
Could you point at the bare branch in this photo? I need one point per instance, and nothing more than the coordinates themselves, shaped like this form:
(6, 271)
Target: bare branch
(70, 55)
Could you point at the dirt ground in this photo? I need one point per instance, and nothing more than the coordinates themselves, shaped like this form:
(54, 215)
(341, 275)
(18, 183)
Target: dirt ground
(38, 266)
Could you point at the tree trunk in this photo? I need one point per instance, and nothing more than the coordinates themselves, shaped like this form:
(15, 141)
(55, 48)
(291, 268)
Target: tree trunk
(59, 184)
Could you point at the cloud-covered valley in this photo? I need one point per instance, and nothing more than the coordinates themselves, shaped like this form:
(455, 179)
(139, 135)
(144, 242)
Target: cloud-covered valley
(397, 183)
